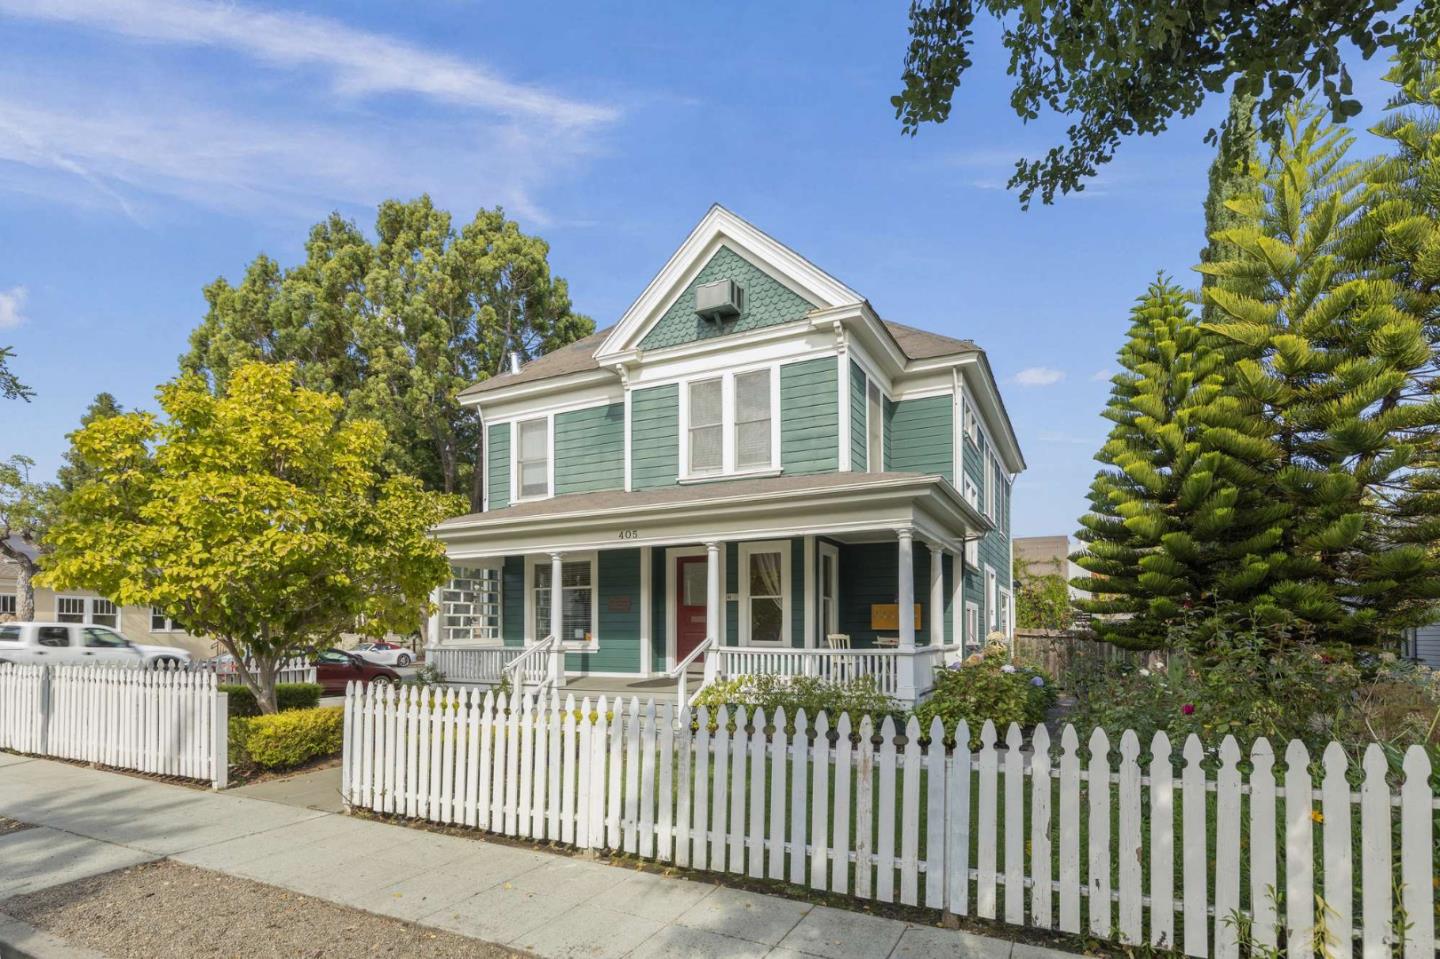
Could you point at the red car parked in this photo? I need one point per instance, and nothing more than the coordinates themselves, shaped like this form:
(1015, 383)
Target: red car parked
(334, 668)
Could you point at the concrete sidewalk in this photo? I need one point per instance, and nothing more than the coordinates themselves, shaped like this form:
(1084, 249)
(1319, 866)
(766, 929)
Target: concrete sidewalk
(89, 822)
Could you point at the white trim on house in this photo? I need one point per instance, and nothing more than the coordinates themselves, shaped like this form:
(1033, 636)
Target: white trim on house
(728, 409)
(972, 635)
(748, 549)
(647, 605)
(842, 407)
(833, 551)
(87, 610)
(992, 584)
(626, 448)
(811, 609)
(532, 633)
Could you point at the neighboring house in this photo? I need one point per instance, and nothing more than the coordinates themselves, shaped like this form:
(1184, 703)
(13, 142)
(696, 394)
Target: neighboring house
(1423, 645)
(139, 624)
(750, 459)
(1049, 556)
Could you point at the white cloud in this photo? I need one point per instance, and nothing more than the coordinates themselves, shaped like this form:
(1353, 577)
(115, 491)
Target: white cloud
(1101, 376)
(12, 307)
(358, 61)
(1039, 376)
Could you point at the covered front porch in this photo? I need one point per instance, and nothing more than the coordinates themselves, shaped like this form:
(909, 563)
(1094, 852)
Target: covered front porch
(660, 593)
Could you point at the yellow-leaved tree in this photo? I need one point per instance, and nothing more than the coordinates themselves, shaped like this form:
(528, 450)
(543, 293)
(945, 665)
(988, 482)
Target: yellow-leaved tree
(260, 517)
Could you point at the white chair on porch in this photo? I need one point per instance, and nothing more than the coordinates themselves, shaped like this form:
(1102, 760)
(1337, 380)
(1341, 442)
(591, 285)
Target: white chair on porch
(841, 666)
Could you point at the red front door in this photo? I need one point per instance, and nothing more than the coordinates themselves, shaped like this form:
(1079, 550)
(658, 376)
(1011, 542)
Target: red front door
(690, 572)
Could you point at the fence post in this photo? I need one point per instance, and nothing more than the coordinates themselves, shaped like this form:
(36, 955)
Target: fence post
(220, 729)
(44, 701)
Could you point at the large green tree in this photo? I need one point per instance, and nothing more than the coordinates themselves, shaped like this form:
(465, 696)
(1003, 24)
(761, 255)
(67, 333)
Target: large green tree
(1333, 359)
(26, 510)
(1233, 175)
(1176, 520)
(397, 325)
(1124, 67)
(260, 517)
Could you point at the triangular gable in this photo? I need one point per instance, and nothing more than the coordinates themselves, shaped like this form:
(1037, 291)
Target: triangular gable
(723, 244)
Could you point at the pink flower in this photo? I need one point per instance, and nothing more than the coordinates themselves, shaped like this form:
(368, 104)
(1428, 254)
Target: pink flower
(1188, 709)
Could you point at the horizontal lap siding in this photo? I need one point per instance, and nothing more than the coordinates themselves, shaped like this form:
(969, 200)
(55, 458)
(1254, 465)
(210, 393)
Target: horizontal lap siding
(923, 436)
(857, 418)
(994, 549)
(658, 625)
(590, 449)
(499, 456)
(618, 574)
(654, 437)
(512, 601)
(810, 416)
(887, 439)
(869, 575)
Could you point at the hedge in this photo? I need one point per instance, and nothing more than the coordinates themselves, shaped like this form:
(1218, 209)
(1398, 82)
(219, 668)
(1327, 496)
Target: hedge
(288, 739)
(287, 696)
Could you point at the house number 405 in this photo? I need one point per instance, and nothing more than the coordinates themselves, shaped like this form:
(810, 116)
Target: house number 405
(629, 534)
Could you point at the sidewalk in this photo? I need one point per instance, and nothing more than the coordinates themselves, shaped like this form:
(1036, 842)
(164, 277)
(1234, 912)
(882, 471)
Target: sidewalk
(90, 822)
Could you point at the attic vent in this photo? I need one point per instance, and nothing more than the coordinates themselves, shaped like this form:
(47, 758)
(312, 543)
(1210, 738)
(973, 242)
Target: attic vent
(719, 300)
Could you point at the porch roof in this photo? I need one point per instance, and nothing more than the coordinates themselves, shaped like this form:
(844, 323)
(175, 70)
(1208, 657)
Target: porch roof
(833, 503)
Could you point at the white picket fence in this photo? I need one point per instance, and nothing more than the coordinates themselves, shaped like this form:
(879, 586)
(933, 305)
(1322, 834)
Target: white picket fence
(167, 722)
(1065, 841)
(296, 670)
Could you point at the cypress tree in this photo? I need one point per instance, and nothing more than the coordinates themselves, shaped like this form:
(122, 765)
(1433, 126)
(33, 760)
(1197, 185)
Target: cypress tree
(1328, 358)
(1171, 524)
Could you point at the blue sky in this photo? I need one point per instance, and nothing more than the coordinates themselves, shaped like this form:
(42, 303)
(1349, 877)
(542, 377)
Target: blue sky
(149, 146)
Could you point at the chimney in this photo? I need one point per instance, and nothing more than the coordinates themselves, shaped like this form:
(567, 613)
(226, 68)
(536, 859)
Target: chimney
(514, 362)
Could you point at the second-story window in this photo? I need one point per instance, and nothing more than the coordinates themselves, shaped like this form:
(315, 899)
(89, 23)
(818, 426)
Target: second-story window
(874, 429)
(532, 460)
(707, 429)
(752, 420)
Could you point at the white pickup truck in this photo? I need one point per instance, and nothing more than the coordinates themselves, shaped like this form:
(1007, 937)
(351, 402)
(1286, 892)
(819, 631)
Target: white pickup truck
(68, 644)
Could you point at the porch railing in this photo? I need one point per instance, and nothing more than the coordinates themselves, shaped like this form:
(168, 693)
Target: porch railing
(887, 667)
(539, 668)
(681, 672)
(473, 664)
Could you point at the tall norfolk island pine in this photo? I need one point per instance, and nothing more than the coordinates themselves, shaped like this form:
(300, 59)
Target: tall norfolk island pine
(1175, 520)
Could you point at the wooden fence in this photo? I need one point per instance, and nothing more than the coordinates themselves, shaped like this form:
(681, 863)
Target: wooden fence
(1070, 657)
(296, 670)
(1025, 834)
(168, 722)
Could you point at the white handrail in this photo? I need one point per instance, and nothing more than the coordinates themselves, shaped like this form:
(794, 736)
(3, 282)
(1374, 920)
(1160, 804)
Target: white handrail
(681, 671)
(513, 669)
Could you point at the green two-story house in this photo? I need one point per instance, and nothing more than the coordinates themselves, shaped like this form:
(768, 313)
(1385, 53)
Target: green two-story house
(750, 472)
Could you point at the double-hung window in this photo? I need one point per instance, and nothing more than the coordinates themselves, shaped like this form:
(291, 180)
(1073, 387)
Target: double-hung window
(160, 623)
(532, 459)
(752, 420)
(874, 429)
(730, 424)
(8, 604)
(707, 427)
(764, 587)
(577, 600)
(87, 609)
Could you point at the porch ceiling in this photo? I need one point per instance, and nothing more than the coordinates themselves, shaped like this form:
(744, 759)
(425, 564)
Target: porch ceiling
(832, 503)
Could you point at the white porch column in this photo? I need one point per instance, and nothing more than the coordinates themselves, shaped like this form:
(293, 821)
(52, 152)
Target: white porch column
(712, 590)
(432, 624)
(907, 674)
(557, 610)
(937, 596)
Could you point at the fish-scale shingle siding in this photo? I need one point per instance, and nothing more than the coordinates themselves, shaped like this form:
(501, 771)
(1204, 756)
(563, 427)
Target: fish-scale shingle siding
(766, 303)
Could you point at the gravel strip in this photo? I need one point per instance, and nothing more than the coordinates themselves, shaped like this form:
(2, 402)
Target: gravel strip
(12, 825)
(171, 909)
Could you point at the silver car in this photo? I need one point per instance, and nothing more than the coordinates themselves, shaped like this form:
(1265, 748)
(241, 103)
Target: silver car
(66, 644)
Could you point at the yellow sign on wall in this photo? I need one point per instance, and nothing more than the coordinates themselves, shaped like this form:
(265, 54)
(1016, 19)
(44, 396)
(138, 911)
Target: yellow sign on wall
(887, 616)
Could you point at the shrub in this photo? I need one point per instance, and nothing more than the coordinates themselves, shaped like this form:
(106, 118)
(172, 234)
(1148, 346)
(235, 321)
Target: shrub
(287, 696)
(287, 739)
(987, 686)
(858, 697)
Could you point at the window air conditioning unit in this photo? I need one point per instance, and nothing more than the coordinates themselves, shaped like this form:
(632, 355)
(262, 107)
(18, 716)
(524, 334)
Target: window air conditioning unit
(720, 300)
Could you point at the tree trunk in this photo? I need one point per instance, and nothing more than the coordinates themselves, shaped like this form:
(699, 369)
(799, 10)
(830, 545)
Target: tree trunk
(25, 591)
(257, 674)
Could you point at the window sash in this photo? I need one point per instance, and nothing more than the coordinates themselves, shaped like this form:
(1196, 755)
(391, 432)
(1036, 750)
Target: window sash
(532, 458)
(752, 419)
(70, 609)
(706, 426)
(577, 598)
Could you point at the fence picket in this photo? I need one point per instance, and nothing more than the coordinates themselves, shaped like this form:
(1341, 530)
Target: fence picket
(957, 825)
(985, 839)
(1262, 844)
(885, 823)
(1069, 830)
(799, 780)
(630, 825)
(910, 817)
(820, 810)
(1299, 851)
(1375, 858)
(758, 754)
(1195, 851)
(864, 809)
(700, 825)
(739, 754)
(647, 781)
(1339, 870)
(1040, 848)
(1097, 790)
(614, 771)
(1227, 851)
(664, 820)
(840, 821)
(935, 787)
(1129, 846)
(683, 786)
(1417, 850)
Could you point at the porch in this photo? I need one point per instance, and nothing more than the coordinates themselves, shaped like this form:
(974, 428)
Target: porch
(830, 586)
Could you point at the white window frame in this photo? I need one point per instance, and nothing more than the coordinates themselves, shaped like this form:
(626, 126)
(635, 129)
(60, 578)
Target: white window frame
(536, 630)
(992, 586)
(781, 546)
(972, 429)
(455, 609)
(1007, 606)
(833, 603)
(517, 494)
(87, 605)
(727, 422)
(9, 604)
(972, 625)
(972, 493)
(169, 627)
